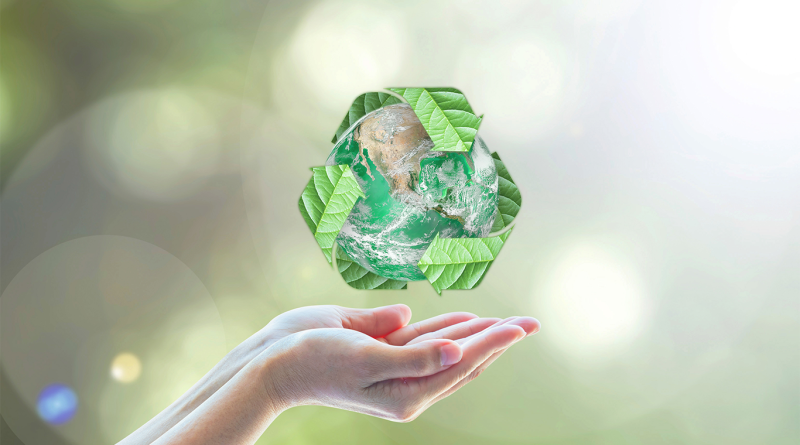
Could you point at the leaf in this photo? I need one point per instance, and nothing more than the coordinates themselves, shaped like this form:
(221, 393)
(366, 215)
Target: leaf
(459, 263)
(326, 201)
(363, 105)
(446, 116)
(510, 200)
(361, 278)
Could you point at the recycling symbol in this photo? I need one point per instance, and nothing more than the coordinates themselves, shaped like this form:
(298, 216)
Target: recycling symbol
(410, 192)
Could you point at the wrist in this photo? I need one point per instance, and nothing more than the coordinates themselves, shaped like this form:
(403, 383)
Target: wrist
(233, 362)
(272, 372)
(246, 351)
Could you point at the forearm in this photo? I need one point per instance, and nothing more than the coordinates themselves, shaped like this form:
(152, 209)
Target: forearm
(236, 414)
(218, 376)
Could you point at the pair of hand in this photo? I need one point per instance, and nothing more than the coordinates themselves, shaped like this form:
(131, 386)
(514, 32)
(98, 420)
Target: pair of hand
(365, 360)
(371, 361)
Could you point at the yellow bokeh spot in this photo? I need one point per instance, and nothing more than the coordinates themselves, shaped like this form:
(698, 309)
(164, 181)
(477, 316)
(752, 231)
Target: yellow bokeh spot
(126, 367)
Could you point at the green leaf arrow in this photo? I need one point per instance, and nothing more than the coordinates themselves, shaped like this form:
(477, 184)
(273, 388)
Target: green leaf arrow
(361, 278)
(510, 200)
(363, 105)
(460, 263)
(326, 201)
(445, 114)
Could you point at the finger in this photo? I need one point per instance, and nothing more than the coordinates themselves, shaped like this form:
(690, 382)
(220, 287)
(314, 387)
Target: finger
(412, 331)
(376, 322)
(531, 327)
(475, 352)
(457, 331)
(529, 324)
(504, 321)
(472, 376)
(420, 360)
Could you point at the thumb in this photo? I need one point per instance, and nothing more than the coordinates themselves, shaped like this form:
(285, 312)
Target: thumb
(419, 360)
(376, 322)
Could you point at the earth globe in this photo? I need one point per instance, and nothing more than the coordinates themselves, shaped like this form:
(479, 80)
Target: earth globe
(412, 192)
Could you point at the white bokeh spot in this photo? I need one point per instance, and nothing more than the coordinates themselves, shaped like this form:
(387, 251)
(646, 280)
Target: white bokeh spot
(593, 304)
(341, 49)
(156, 144)
(765, 35)
(517, 80)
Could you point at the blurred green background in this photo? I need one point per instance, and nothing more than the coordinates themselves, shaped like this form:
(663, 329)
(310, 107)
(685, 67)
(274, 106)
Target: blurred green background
(153, 152)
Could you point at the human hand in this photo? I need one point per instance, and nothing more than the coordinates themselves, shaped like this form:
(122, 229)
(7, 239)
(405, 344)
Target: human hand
(396, 376)
(378, 323)
(364, 360)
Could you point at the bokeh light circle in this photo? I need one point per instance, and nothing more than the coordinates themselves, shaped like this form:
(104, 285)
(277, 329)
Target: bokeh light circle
(80, 303)
(341, 49)
(106, 294)
(765, 36)
(594, 304)
(126, 367)
(155, 144)
(518, 82)
(57, 404)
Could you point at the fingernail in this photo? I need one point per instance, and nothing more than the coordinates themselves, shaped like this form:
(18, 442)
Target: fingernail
(451, 354)
(522, 335)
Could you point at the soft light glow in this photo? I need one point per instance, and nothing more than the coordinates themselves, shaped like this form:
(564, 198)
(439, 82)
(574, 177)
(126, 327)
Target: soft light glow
(605, 10)
(592, 304)
(342, 49)
(515, 80)
(57, 404)
(158, 145)
(126, 368)
(764, 34)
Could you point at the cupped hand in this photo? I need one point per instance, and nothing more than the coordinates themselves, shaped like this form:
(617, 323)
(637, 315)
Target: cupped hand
(382, 323)
(366, 360)
(395, 374)
(375, 322)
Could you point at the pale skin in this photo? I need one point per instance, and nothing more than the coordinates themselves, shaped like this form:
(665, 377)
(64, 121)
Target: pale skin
(369, 361)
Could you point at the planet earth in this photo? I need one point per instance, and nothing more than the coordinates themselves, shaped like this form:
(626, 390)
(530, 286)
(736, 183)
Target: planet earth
(412, 193)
